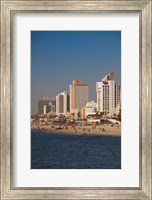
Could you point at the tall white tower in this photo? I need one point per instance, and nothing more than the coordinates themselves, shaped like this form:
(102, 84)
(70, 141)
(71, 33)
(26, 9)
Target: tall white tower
(61, 103)
(108, 94)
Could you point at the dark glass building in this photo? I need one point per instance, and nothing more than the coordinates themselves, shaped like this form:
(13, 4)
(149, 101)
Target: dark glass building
(46, 105)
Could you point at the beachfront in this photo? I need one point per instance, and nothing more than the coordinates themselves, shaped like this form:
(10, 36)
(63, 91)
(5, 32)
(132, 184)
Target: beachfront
(105, 129)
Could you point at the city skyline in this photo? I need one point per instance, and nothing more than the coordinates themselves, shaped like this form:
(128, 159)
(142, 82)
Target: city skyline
(58, 57)
(108, 99)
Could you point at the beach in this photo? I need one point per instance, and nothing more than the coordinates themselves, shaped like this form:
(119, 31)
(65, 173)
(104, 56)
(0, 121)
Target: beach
(105, 129)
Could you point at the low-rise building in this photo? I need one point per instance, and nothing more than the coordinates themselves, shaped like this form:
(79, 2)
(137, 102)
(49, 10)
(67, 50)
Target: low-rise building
(89, 109)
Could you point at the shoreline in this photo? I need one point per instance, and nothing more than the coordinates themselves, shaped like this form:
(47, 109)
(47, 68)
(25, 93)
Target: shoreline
(100, 130)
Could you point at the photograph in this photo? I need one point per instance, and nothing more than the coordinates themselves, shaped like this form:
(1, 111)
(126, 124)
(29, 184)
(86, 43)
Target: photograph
(75, 99)
(76, 88)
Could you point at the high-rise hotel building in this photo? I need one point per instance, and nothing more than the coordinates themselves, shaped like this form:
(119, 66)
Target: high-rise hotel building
(108, 94)
(62, 103)
(78, 96)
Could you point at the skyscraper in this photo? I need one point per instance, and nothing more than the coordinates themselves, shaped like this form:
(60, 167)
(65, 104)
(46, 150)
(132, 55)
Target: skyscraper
(62, 103)
(46, 105)
(108, 94)
(78, 96)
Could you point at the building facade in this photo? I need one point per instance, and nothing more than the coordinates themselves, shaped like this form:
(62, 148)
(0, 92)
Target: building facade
(89, 109)
(108, 94)
(91, 104)
(46, 105)
(78, 96)
(62, 103)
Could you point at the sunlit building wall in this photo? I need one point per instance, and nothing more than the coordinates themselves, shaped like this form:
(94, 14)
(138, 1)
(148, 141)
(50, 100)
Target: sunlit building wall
(108, 94)
(78, 96)
(61, 103)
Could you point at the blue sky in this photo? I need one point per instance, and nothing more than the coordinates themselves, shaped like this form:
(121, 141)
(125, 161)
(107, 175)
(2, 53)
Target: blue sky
(58, 57)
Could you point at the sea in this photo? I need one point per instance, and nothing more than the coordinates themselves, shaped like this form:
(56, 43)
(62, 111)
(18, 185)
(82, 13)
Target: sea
(68, 151)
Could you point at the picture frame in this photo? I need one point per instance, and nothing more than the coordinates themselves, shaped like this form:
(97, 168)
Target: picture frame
(8, 9)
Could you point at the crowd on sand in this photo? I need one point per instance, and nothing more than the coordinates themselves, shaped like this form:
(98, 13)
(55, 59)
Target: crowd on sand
(105, 129)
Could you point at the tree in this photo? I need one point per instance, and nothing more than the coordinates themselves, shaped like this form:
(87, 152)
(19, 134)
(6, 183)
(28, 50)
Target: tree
(78, 114)
(72, 115)
(99, 115)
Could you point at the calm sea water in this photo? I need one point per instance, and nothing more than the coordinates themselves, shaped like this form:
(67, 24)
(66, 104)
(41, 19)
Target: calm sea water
(58, 151)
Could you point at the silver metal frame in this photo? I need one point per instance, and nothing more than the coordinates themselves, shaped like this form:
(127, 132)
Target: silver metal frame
(143, 7)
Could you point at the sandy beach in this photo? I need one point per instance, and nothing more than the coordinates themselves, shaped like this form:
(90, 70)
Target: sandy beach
(87, 129)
